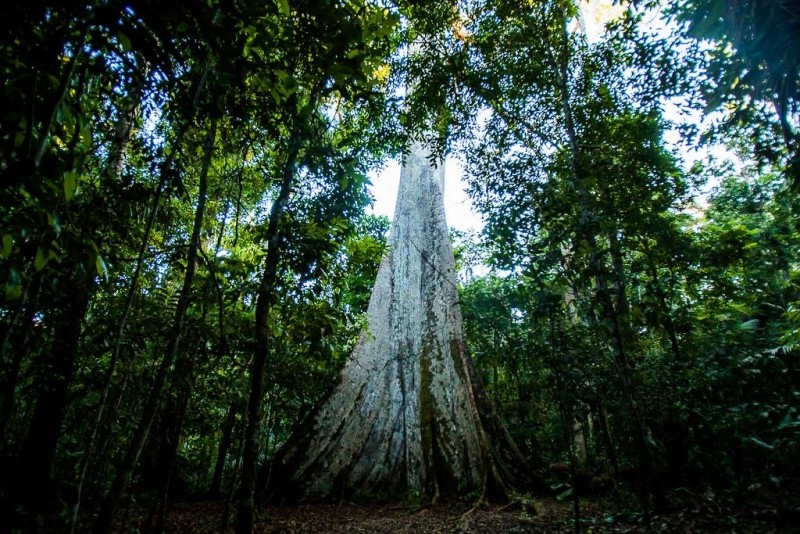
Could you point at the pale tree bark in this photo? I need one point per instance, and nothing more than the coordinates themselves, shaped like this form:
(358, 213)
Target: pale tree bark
(409, 416)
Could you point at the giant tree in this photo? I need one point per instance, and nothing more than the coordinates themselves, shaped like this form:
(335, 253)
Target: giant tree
(409, 415)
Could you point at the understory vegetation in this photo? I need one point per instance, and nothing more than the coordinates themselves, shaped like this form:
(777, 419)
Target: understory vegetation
(186, 255)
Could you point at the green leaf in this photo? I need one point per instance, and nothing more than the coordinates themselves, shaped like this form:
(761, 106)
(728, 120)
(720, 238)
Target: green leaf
(788, 421)
(52, 220)
(564, 494)
(42, 257)
(275, 96)
(100, 265)
(70, 185)
(13, 285)
(283, 6)
(8, 243)
(759, 442)
(124, 41)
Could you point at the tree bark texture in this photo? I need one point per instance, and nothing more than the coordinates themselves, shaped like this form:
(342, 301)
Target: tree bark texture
(409, 416)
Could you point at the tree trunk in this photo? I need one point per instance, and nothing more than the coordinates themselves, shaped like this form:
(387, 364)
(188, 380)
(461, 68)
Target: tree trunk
(39, 451)
(17, 341)
(264, 301)
(117, 152)
(150, 410)
(215, 492)
(587, 229)
(409, 416)
(170, 430)
(669, 324)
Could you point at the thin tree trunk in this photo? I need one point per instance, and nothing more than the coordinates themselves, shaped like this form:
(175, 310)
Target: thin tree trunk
(586, 231)
(669, 324)
(264, 302)
(215, 491)
(171, 427)
(608, 443)
(17, 340)
(64, 83)
(113, 168)
(565, 411)
(38, 453)
(618, 269)
(150, 410)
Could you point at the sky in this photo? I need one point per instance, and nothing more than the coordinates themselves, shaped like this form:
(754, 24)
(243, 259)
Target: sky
(457, 205)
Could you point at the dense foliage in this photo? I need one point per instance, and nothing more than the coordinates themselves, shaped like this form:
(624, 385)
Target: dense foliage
(635, 330)
(185, 258)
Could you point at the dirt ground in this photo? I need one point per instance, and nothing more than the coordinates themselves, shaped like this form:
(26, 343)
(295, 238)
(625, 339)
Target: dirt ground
(542, 516)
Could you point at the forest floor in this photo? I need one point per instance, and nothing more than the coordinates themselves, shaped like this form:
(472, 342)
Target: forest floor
(543, 515)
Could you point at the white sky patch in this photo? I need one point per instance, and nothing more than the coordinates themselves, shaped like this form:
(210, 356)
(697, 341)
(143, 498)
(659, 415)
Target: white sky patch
(457, 205)
(596, 13)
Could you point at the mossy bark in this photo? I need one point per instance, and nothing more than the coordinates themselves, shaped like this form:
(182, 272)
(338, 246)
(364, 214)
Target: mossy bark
(409, 416)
